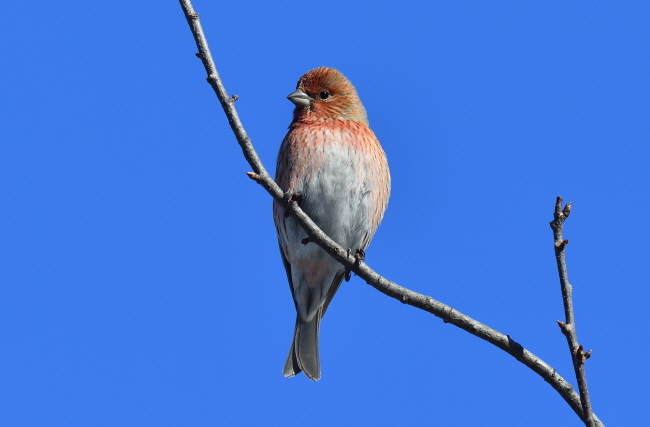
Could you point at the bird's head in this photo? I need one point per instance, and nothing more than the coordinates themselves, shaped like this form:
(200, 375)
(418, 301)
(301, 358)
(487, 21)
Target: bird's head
(324, 93)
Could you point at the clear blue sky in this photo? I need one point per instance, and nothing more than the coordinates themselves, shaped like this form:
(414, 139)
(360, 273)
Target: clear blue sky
(140, 278)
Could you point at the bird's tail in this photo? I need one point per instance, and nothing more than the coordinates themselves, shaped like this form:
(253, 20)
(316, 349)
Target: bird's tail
(303, 355)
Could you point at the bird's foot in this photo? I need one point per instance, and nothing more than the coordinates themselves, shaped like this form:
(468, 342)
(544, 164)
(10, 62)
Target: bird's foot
(292, 198)
(359, 256)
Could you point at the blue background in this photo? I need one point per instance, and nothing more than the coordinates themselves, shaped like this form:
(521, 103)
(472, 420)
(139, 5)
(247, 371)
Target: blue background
(140, 280)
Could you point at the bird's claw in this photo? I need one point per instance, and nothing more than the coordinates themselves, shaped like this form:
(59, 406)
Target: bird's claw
(359, 256)
(293, 198)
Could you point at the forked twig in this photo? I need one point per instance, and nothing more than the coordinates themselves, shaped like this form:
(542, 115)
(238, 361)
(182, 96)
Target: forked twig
(568, 327)
(316, 235)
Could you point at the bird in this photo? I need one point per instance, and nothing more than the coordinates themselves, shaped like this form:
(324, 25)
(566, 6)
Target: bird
(333, 166)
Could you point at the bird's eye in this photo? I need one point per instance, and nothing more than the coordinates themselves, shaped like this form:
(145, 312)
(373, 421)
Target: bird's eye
(324, 95)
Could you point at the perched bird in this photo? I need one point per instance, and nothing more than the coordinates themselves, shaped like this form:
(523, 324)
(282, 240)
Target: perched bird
(334, 167)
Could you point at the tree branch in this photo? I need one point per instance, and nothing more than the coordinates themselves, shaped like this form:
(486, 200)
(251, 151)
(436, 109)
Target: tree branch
(568, 327)
(317, 236)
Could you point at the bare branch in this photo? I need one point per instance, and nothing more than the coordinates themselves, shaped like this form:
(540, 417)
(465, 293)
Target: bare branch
(568, 327)
(352, 261)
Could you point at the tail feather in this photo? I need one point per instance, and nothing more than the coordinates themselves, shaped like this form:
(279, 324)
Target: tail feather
(303, 355)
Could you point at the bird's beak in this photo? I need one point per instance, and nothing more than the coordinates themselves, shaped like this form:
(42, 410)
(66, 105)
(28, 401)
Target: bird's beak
(300, 98)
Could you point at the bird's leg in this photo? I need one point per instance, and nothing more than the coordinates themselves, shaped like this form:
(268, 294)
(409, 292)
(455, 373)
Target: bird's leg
(292, 198)
(347, 270)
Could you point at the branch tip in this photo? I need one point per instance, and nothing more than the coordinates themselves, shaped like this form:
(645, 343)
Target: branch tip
(561, 243)
(567, 210)
(558, 204)
(580, 353)
(234, 98)
(252, 175)
(305, 240)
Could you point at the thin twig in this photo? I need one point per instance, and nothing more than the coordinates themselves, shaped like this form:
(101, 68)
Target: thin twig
(317, 236)
(568, 327)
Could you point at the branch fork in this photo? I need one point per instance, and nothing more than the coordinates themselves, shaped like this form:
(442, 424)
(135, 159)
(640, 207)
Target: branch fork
(580, 404)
